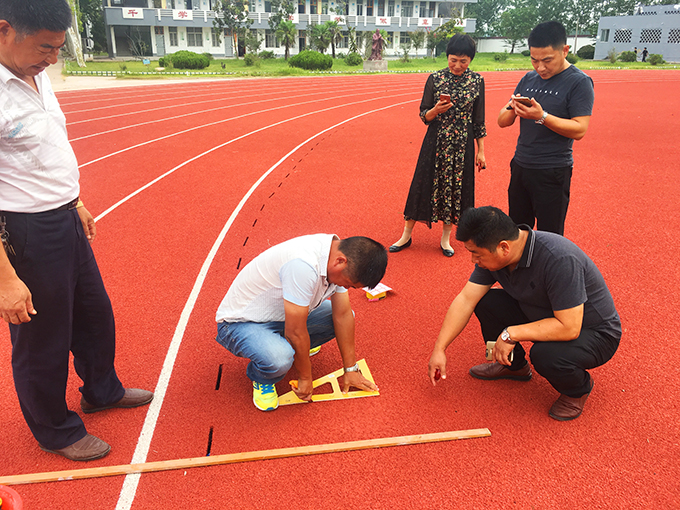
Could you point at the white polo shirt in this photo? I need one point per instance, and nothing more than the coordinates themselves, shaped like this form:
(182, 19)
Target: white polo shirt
(294, 270)
(38, 169)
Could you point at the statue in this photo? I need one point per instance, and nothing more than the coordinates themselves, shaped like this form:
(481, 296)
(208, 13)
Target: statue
(378, 44)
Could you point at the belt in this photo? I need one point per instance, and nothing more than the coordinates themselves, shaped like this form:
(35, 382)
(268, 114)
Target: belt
(67, 207)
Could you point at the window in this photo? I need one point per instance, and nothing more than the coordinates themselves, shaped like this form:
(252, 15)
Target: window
(404, 38)
(267, 6)
(650, 35)
(360, 7)
(172, 32)
(369, 7)
(301, 6)
(390, 8)
(674, 36)
(390, 40)
(622, 35)
(270, 40)
(406, 9)
(216, 37)
(324, 6)
(313, 6)
(251, 6)
(604, 35)
(381, 7)
(194, 36)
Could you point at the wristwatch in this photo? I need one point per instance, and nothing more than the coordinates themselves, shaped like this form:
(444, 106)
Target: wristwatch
(505, 336)
(354, 368)
(542, 119)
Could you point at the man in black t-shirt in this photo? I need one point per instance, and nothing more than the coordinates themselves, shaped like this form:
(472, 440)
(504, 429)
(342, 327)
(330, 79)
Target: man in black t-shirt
(559, 112)
(552, 295)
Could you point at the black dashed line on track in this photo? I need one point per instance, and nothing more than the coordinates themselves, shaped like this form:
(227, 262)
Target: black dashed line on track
(261, 207)
(238, 266)
(210, 439)
(272, 194)
(256, 219)
(219, 377)
(244, 242)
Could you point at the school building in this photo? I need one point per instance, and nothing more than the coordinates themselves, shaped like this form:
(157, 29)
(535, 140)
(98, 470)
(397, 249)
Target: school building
(655, 27)
(167, 26)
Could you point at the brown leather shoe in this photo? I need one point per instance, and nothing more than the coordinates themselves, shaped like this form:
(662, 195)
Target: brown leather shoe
(88, 448)
(493, 371)
(132, 398)
(569, 408)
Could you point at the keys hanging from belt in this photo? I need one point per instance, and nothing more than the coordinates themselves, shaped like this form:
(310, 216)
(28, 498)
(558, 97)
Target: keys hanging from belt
(4, 236)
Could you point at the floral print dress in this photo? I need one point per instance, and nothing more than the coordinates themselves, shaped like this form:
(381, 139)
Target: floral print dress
(443, 183)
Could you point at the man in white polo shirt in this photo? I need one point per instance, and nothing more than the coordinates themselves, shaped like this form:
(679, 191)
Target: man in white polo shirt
(277, 310)
(51, 292)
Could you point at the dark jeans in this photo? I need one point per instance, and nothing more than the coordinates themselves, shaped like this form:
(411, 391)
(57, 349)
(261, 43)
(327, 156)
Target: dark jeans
(55, 261)
(539, 196)
(563, 364)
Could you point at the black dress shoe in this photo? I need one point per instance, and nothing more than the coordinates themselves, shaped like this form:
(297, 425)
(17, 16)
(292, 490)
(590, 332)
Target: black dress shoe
(447, 253)
(394, 248)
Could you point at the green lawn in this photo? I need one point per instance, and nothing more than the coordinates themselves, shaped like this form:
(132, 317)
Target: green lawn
(280, 67)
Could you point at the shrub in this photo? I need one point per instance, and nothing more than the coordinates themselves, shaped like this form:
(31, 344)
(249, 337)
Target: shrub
(184, 59)
(311, 60)
(209, 55)
(161, 62)
(586, 52)
(353, 59)
(612, 56)
(526, 53)
(571, 58)
(655, 59)
(500, 57)
(628, 56)
(266, 55)
(251, 59)
(123, 66)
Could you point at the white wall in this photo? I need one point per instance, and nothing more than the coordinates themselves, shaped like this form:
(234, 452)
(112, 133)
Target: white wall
(498, 44)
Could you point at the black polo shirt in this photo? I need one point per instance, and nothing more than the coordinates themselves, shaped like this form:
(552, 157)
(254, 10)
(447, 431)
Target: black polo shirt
(554, 274)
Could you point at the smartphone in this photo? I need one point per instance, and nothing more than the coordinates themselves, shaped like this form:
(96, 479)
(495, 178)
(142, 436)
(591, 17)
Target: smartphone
(524, 100)
(489, 351)
(445, 98)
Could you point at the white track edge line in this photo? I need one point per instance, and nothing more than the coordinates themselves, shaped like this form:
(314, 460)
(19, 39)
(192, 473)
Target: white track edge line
(129, 489)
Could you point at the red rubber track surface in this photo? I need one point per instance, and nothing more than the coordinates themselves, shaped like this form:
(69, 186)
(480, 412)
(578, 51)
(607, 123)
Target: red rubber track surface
(216, 139)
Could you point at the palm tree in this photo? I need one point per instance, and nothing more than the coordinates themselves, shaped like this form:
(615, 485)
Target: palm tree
(320, 37)
(336, 34)
(287, 33)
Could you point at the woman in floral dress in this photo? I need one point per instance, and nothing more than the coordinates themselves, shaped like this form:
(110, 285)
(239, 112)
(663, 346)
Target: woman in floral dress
(443, 185)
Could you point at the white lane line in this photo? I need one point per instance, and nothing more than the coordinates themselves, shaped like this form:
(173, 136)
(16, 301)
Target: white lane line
(249, 114)
(129, 489)
(226, 107)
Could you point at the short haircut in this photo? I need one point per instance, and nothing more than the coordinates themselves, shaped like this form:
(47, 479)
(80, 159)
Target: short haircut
(486, 227)
(550, 33)
(366, 260)
(461, 44)
(30, 16)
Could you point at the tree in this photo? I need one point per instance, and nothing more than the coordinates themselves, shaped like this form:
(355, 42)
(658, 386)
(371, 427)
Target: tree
(417, 40)
(488, 14)
(516, 25)
(335, 33)
(232, 15)
(319, 37)
(287, 34)
(282, 10)
(94, 29)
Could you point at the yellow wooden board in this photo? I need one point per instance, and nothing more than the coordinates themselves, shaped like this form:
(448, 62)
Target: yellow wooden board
(291, 397)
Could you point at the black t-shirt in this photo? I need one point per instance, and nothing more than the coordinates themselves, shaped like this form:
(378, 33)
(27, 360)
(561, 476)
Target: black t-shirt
(555, 274)
(567, 95)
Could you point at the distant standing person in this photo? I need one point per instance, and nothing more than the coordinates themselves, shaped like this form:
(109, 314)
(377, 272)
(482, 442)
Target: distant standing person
(559, 112)
(443, 185)
(644, 54)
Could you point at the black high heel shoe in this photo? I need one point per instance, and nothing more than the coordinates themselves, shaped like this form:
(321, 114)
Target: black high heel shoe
(394, 248)
(447, 253)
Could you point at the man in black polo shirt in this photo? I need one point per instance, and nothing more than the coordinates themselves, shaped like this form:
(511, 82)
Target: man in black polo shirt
(553, 295)
(559, 112)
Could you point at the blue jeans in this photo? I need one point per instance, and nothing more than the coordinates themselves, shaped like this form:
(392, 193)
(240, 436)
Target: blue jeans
(264, 344)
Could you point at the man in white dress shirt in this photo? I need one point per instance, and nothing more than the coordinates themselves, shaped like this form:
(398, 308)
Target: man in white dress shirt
(51, 293)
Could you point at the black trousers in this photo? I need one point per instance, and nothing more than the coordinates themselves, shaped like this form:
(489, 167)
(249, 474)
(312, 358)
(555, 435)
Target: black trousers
(55, 261)
(563, 364)
(539, 197)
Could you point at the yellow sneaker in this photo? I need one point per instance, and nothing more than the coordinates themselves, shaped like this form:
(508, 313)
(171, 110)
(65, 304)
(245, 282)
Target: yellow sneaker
(314, 351)
(265, 397)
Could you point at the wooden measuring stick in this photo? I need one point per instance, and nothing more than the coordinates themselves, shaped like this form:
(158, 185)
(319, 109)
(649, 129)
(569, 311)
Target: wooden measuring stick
(232, 458)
